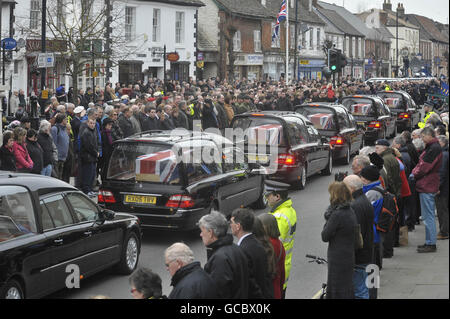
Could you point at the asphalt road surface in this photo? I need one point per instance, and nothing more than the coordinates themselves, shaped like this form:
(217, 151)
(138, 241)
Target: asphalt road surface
(305, 279)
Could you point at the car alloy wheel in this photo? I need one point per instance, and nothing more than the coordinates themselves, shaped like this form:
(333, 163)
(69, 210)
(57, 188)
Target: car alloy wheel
(347, 156)
(13, 291)
(303, 180)
(330, 165)
(264, 198)
(132, 253)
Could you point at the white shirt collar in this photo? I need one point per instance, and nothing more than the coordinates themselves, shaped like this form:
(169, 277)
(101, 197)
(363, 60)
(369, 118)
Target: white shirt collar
(242, 238)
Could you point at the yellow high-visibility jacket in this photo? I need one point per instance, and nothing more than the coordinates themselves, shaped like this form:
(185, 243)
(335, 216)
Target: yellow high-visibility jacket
(287, 223)
(425, 119)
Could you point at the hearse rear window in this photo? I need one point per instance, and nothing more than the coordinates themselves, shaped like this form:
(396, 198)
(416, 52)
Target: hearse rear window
(321, 117)
(261, 130)
(392, 100)
(16, 213)
(144, 162)
(359, 106)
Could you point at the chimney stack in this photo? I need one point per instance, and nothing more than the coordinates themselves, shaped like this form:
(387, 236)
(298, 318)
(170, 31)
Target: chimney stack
(401, 11)
(387, 5)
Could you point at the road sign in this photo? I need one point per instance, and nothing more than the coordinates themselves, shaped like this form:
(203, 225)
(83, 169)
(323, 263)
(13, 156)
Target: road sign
(9, 44)
(46, 60)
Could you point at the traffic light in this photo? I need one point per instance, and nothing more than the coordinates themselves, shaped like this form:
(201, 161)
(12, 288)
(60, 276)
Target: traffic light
(338, 61)
(334, 60)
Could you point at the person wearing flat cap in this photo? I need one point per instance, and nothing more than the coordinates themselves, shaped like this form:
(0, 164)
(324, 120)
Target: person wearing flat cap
(277, 198)
(79, 112)
(428, 111)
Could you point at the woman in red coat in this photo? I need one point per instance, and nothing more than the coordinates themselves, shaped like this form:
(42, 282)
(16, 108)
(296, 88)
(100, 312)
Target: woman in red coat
(23, 160)
(271, 227)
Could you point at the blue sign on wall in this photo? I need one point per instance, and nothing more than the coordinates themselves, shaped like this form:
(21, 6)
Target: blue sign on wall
(9, 44)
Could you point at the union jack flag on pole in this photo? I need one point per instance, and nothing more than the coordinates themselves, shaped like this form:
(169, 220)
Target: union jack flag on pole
(280, 17)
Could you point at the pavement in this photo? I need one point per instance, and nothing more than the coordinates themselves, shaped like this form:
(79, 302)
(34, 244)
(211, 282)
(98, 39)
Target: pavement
(410, 275)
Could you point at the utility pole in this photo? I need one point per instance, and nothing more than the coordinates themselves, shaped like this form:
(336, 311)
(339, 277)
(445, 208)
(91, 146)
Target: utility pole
(396, 45)
(165, 71)
(108, 32)
(287, 43)
(43, 44)
(296, 42)
(1, 21)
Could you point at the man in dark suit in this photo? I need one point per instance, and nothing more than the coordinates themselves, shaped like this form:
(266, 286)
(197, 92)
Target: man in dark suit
(242, 220)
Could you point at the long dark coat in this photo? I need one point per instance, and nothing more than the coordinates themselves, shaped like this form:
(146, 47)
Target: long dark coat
(192, 282)
(228, 267)
(339, 232)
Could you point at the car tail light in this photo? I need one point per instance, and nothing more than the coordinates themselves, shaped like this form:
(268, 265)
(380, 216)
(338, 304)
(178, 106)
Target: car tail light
(337, 140)
(180, 201)
(403, 115)
(286, 159)
(106, 197)
(375, 124)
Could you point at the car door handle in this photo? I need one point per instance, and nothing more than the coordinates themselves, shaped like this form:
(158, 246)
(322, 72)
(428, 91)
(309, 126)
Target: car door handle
(58, 241)
(88, 233)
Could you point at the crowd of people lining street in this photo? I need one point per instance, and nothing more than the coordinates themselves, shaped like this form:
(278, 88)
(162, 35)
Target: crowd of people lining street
(74, 134)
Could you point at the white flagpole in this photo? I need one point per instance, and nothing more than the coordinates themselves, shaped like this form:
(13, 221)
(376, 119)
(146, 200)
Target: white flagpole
(287, 42)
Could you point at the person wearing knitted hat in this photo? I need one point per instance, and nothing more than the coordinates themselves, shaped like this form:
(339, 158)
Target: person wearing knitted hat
(370, 176)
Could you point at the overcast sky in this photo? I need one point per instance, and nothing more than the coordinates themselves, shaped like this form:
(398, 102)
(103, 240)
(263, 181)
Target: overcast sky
(433, 9)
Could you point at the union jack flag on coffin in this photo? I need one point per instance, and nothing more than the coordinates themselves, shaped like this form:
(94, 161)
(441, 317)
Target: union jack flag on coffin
(157, 167)
(322, 121)
(269, 134)
(360, 109)
(392, 101)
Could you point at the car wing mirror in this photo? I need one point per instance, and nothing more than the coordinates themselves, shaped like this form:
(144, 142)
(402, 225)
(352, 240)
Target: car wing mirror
(106, 214)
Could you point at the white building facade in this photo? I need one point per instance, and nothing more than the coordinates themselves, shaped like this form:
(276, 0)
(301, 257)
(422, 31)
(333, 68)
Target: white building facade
(142, 27)
(151, 25)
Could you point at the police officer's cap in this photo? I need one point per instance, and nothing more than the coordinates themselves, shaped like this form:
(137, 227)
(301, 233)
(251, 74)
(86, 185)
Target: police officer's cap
(428, 104)
(275, 187)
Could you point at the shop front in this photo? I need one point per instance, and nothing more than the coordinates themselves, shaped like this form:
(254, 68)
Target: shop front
(310, 69)
(248, 66)
(355, 69)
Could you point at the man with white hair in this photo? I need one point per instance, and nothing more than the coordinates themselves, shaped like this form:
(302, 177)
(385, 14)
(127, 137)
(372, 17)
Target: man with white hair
(359, 162)
(227, 264)
(365, 215)
(189, 280)
(416, 134)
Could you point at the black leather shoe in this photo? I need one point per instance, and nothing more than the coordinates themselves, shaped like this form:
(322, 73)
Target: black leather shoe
(427, 249)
